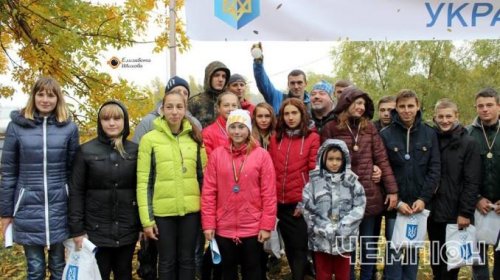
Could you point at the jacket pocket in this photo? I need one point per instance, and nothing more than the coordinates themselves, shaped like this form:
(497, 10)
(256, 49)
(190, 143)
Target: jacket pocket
(18, 202)
(395, 153)
(422, 152)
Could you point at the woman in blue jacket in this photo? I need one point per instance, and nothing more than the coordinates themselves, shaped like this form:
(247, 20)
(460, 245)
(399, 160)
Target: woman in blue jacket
(39, 146)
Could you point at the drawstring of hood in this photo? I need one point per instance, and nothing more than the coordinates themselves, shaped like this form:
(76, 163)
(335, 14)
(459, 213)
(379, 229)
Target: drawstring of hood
(294, 132)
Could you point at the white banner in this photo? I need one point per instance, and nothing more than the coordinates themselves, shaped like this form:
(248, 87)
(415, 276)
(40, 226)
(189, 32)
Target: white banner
(330, 20)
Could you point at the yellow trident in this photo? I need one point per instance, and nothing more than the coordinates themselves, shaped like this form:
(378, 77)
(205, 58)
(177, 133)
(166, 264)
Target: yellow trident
(237, 8)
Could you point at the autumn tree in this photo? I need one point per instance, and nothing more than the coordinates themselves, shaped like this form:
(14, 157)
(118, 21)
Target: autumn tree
(434, 69)
(63, 39)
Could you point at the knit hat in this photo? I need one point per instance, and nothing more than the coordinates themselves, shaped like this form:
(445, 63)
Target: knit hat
(236, 78)
(324, 86)
(177, 81)
(241, 116)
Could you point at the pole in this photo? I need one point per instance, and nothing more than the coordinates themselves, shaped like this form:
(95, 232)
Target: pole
(172, 45)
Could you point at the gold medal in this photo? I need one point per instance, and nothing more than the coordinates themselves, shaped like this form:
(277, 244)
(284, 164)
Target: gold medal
(489, 155)
(355, 148)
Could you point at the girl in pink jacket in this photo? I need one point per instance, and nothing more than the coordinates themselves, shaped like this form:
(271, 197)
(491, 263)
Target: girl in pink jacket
(238, 200)
(215, 134)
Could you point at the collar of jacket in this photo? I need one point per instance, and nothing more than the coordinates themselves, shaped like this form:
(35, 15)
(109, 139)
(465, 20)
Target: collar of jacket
(18, 118)
(161, 125)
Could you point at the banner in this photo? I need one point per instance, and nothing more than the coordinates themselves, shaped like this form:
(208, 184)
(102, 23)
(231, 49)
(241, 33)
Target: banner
(331, 20)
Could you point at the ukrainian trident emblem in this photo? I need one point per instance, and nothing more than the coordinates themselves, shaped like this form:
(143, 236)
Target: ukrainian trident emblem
(412, 228)
(237, 13)
(466, 247)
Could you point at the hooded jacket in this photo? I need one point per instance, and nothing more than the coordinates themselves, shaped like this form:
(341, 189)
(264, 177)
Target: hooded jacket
(460, 176)
(334, 204)
(293, 157)
(167, 172)
(490, 182)
(36, 166)
(146, 124)
(371, 151)
(418, 176)
(215, 135)
(102, 191)
(273, 96)
(243, 213)
(202, 105)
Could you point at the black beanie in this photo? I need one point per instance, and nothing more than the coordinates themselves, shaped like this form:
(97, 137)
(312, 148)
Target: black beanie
(177, 81)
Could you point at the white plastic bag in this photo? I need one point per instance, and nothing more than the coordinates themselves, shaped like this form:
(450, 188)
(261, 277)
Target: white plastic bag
(488, 227)
(273, 245)
(461, 246)
(409, 231)
(81, 264)
(214, 249)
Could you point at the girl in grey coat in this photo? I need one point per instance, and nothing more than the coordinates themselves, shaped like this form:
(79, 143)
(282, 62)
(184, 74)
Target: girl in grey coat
(334, 204)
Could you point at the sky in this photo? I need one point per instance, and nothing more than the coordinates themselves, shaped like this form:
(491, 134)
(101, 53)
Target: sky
(279, 59)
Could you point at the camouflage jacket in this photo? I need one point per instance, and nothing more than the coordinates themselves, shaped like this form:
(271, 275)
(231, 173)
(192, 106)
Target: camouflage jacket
(334, 205)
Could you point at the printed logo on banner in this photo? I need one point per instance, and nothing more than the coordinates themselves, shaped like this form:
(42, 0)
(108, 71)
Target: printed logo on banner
(237, 13)
(412, 228)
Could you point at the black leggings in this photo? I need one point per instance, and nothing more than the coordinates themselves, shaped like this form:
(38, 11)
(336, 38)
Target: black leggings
(246, 251)
(294, 233)
(176, 246)
(118, 260)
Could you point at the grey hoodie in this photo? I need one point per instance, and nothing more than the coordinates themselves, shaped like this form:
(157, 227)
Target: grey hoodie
(334, 204)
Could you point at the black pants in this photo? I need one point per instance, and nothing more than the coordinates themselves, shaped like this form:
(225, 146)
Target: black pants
(246, 251)
(294, 233)
(116, 259)
(437, 237)
(176, 246)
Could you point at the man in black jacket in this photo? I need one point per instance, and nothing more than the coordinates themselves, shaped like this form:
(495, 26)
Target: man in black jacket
(455, 199)
(413, 151)
(485, 130)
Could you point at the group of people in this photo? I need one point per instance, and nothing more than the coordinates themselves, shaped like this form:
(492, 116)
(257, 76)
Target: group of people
(216, 168)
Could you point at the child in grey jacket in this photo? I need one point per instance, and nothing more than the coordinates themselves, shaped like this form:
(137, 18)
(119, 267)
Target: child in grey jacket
(334, 204)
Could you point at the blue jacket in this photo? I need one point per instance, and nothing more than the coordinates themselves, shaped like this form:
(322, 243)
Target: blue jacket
(36, 164)
(417, 175)
(272, 95)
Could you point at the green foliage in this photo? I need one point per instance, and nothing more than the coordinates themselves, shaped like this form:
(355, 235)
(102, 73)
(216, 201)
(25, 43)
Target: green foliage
(433, 69)
(64, 39)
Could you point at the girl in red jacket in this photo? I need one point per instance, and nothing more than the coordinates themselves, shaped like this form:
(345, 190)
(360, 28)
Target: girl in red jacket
(238, 200)
(293, 150)
(263, 123)
(215, 134)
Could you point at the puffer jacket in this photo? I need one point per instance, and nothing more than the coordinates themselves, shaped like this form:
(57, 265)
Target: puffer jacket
(334, 205)
(202, 106)
(215, 135)
(250, 209)
(36, 166)
(102, 190)
(418, 177)
(371, 152)
(490, 182)
(460, 176)
(293, 157)
(163, 188)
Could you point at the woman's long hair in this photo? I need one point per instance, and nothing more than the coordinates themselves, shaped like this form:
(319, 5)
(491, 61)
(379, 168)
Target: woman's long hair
(264, 135)
(114, 111)
(195, 131)
(48, 84)
(343, 121)
(304, 118)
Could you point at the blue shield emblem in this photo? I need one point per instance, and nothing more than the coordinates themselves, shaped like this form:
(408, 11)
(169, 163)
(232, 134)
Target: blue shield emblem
(411, 231)
(237, 13)
(72, 273)
(466, 251)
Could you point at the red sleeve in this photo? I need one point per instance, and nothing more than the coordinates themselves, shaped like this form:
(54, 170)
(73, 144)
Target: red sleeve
(209, 195)
(313, 150)
(268, 192)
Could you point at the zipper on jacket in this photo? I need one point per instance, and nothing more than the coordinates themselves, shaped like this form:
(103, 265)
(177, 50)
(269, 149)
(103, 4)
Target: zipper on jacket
(21, 194)
(45, 187)
(286, 169)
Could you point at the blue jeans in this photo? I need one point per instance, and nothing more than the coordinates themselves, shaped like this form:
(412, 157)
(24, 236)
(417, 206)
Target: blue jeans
(35, 258)
(400, 264)
(368, 248)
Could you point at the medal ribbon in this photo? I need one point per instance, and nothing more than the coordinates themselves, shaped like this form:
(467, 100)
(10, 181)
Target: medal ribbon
(236, 175)
(486, 137)
(352, 134)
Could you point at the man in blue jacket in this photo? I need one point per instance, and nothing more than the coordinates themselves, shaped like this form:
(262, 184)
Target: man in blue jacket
(297, 83)
(413, 150)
